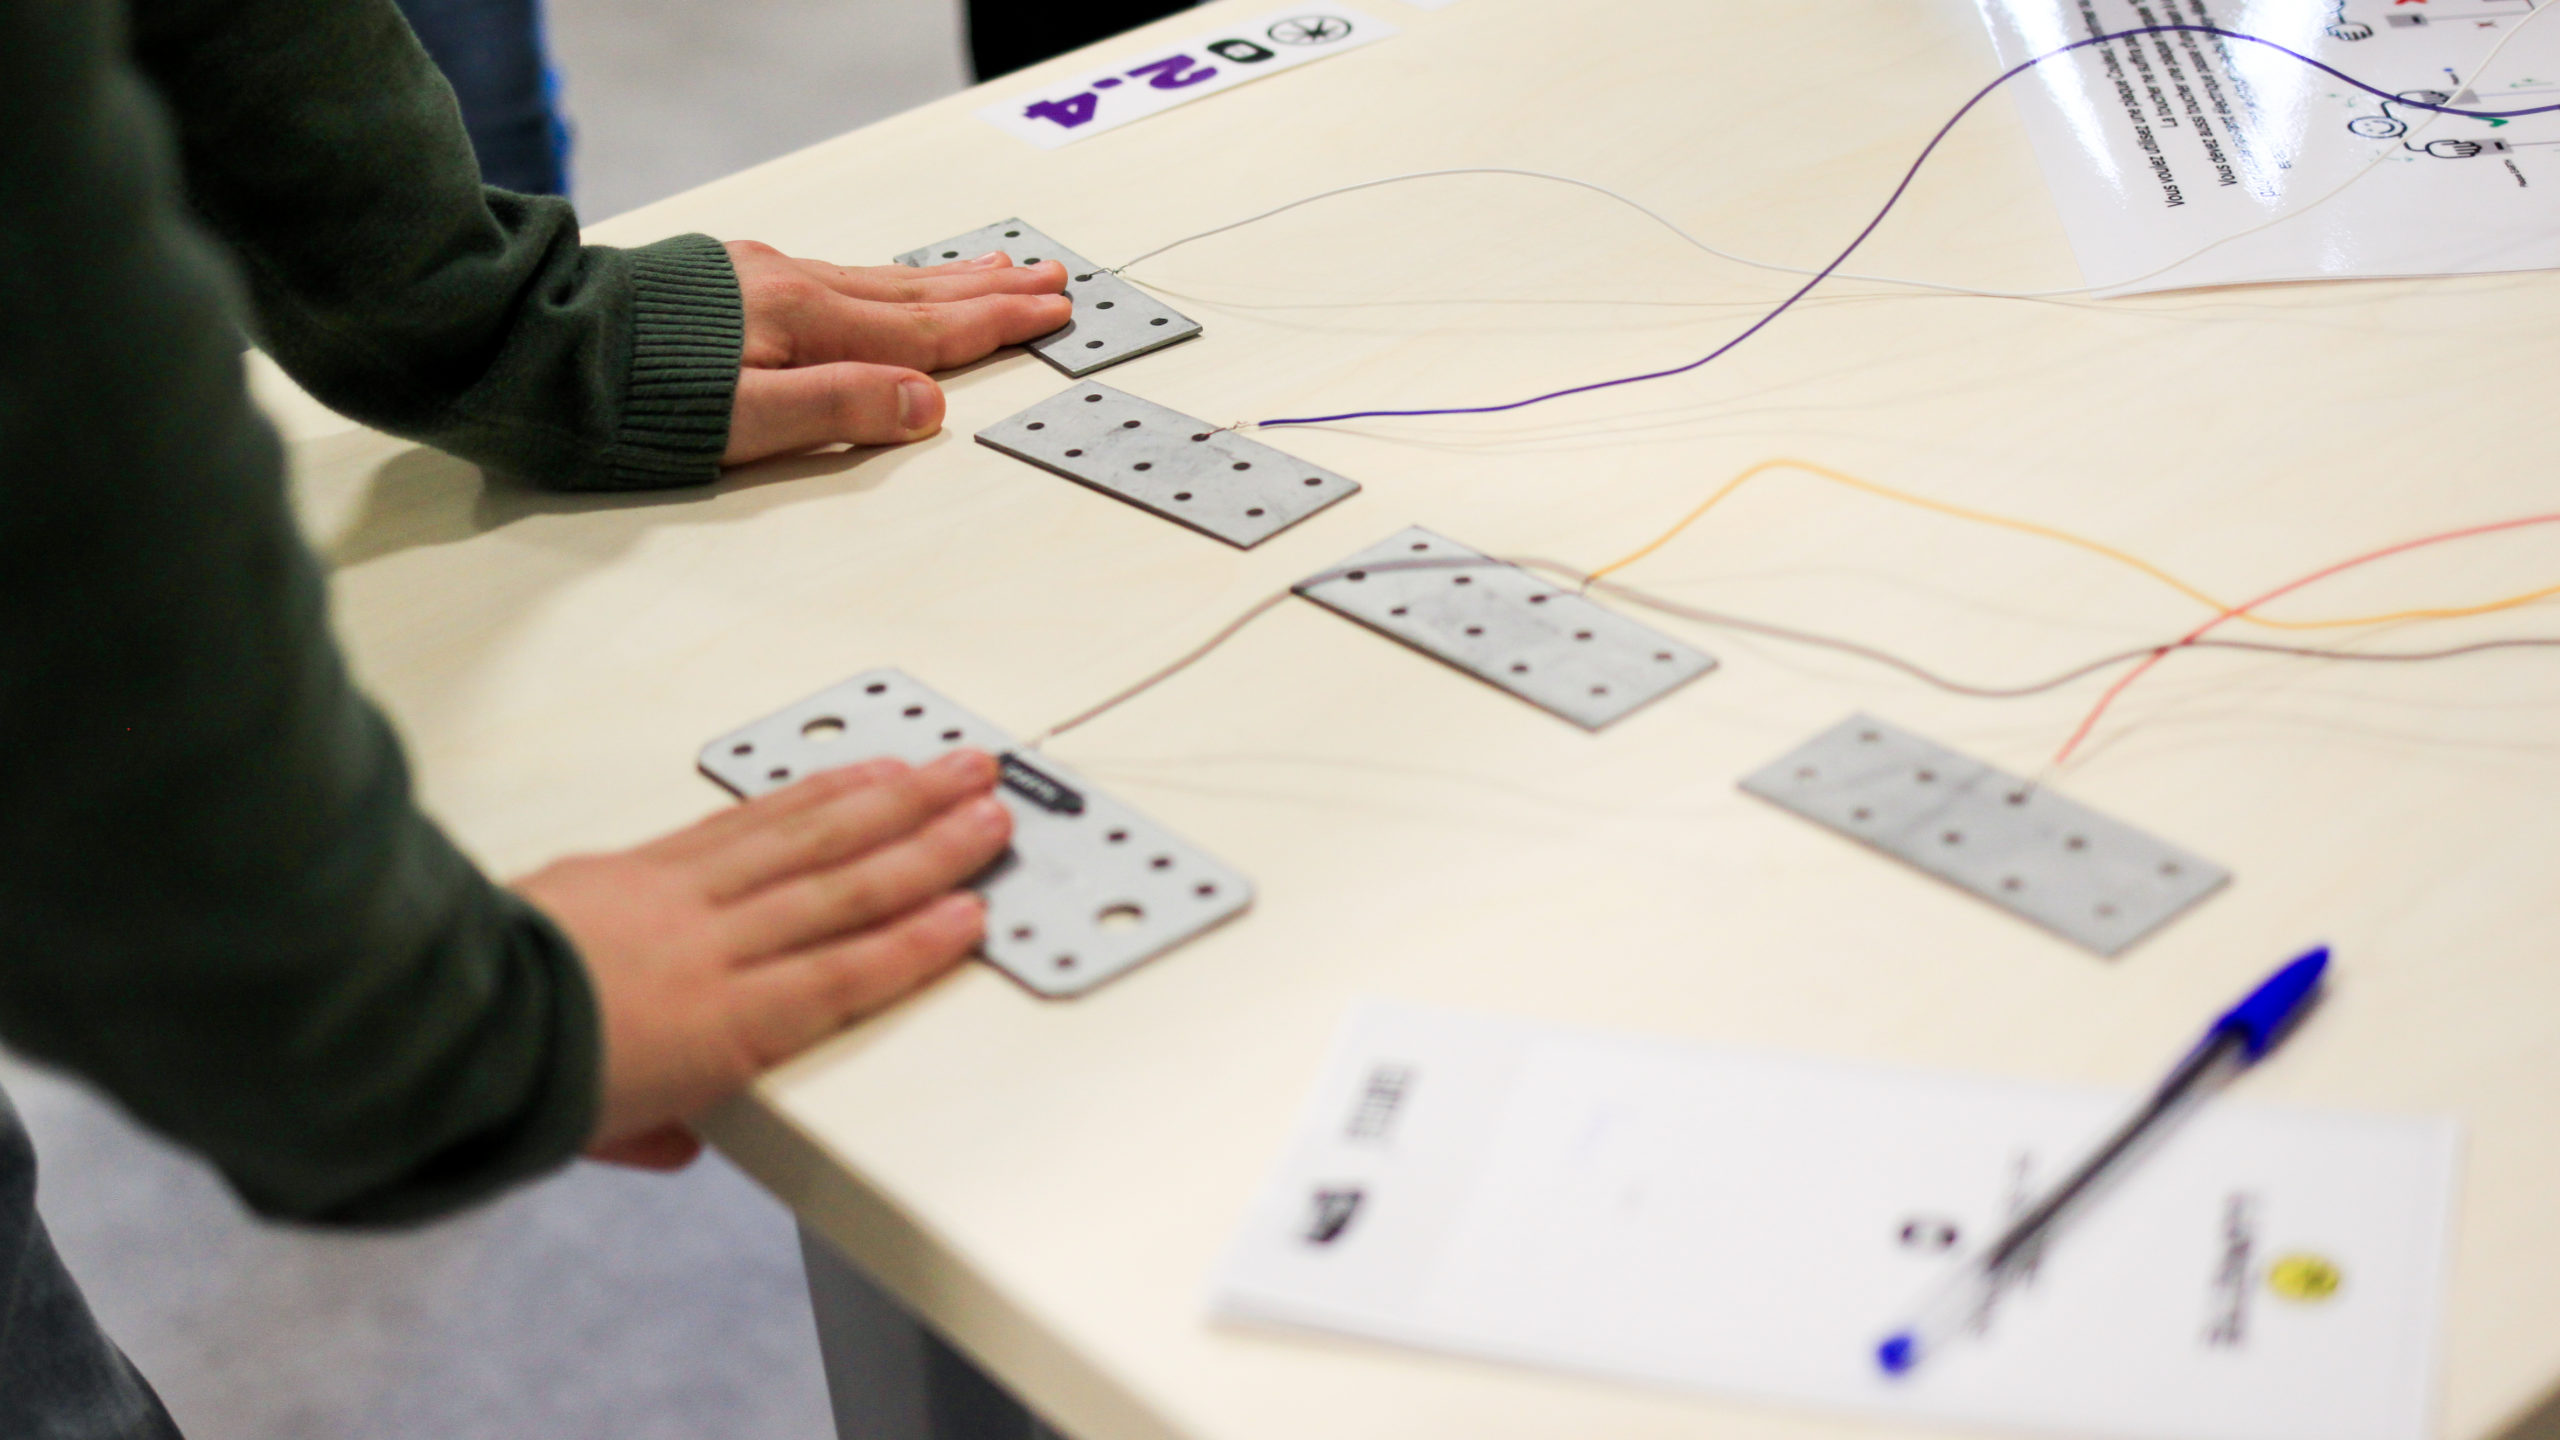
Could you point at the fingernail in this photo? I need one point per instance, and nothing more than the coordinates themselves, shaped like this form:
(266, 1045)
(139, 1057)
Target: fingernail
(987, 813)
(964, 765)
(915, 402)
(992, 257)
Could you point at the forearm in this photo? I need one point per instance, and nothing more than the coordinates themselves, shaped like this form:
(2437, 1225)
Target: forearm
(217, 899)
(320, 143)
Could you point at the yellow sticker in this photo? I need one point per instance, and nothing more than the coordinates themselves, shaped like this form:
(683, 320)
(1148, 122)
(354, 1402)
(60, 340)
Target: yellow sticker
(2305, 1278)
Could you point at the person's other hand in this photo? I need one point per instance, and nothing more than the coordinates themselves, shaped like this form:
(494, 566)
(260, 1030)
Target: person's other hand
(732, 945)
(837, 355)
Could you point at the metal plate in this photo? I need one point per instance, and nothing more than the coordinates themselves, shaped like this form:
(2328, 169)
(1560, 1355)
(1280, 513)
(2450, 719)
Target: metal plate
(1113, 321)
(1181, 467)
(2097, 882)
(1498, 622)
(1090, 888)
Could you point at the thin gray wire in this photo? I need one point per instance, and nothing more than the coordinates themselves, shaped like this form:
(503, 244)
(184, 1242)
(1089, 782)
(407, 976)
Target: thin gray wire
(1773, 631)
(2380, 154)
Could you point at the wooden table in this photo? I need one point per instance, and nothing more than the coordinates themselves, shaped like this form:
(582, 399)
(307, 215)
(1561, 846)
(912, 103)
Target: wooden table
(1050, 1183)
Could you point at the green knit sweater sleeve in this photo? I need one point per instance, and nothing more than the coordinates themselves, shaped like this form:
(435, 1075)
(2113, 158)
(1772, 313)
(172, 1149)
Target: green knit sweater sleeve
(320, 143)
(218, 900)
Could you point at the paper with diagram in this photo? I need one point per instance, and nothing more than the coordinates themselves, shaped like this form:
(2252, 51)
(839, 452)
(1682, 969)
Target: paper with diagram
(2158, 146)
(1681, 1215)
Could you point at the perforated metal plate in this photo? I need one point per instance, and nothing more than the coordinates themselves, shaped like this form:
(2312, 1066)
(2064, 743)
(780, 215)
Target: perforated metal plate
(1113, 321)
(1090, 888)
(1498, 622)
(1181, 467)
(2095, 881)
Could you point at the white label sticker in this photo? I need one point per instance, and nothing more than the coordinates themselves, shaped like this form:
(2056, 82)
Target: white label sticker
(1222, 59)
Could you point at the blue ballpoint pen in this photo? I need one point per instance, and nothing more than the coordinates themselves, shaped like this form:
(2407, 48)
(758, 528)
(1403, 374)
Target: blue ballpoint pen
(2238, 1040)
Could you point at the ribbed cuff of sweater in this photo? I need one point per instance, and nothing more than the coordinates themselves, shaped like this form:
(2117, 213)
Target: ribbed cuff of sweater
(688, 329)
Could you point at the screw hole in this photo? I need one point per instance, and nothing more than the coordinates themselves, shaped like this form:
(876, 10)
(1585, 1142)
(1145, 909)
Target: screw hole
(1084, 277)
(1868, 737)
(1123, 916)
(1093, 399)
(1117, 836)
(1462, 579)
(2171, 868)
(1399, 610)
(2017, 797)
(1537, 599)
(1254, 514)
(2106, 912)
(778, 773)
(1203, 435)
(1953, 837)
(1806, 772)
(742, 749)
(1143, 465)
(824, 728)
(1418, 547)
(1103, 304)
(2076, 842)
(1065, 962)
(1475, 629)
(950, 254)
(1013, 234)
(1927, 777)
(1161, 862)
(1519, 667)
(1037, 425)
(1181, 494)
(2013, 883)
(1205, 889)
(1159, 320)
(1581, 634)
(1862, 814)
(1599, 689)
(1128, 424)
(1314, 481)
(1093, 344)
(1244, 465)
(875, 688)
(1357, 575)
(1072, 454)
(950, 737)
(913, 712)
(1021, 932)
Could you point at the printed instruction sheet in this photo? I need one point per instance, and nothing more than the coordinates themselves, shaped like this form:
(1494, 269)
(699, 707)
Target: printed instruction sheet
(1754, 1223)
(2158, 147)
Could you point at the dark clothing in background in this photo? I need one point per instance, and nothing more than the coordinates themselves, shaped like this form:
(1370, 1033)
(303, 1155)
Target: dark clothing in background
(218, 901)
(76, 1385)
(492, 53)
(1007, 35)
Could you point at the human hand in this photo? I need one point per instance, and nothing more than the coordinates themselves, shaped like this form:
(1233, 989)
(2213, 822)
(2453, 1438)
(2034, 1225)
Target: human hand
(836, 355)
(734, 944)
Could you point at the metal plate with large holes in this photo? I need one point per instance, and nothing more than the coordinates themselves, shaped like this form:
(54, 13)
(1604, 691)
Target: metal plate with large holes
(1182, 468)
(1113, 320)
(1498, 622)
(1090, 888)
(2094, 881)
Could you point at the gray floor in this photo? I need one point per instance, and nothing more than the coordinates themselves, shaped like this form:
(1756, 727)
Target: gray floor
(663, 95)
(601, 1303)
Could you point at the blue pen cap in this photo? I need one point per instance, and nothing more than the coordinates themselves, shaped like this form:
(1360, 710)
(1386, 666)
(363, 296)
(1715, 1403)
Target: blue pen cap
(2261, 1018)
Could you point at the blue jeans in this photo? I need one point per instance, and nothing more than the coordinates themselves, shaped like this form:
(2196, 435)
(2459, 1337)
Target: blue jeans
(61, 1378)
(491, 51)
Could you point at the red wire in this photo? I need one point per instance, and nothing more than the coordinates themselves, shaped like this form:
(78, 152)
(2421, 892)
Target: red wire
(2137, 672)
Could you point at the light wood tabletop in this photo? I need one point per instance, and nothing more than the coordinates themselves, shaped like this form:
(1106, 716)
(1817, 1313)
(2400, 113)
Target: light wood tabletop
(1051, 1183)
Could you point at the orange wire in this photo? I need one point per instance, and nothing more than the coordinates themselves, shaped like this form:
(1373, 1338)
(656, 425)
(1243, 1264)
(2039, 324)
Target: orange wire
(2047, 532)
(2125, 681)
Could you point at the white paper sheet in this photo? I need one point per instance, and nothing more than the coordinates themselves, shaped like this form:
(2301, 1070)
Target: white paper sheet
(1755, 1223)
(2157, 147)
(1148, 82)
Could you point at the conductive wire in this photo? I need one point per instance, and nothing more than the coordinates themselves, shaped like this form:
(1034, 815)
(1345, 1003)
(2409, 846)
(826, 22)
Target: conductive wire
(1895, 198)
(2380, 154)
(2083, 542)
(2125, 681)
(2148, 654)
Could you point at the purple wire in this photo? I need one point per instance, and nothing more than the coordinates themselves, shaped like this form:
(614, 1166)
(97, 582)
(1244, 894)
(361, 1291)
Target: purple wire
(1895, 198)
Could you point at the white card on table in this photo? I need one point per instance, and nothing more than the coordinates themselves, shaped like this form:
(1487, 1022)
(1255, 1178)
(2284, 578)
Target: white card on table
(2160, 146)
(1140, 85)
(1754, 1223)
